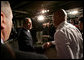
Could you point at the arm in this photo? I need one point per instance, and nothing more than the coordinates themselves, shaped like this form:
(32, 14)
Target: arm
(53, 42)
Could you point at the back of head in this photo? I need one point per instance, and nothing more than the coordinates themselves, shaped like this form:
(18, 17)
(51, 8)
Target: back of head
(59, 16)
(61, 13)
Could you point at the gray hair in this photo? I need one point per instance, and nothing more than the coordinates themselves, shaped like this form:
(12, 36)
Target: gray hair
(6, 9)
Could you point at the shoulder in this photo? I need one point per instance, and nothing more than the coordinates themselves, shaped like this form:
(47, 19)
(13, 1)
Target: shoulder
(72, 29)
(66, 29)
(23, 31)
(69, 27)
(5, 52)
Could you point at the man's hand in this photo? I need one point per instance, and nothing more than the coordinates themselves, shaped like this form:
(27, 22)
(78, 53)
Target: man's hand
(47, 45)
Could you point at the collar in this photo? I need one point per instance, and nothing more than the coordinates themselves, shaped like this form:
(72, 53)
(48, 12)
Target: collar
(61, 25)
(2, 41)
(28, 30)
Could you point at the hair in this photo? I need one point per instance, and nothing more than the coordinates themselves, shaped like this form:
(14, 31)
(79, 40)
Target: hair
(6, 9)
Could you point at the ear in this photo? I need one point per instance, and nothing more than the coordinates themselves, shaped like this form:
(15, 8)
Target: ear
(2, 20)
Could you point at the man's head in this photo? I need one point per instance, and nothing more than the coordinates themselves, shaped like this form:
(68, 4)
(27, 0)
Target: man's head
(59, 16)
(6, 20)
(27, 23)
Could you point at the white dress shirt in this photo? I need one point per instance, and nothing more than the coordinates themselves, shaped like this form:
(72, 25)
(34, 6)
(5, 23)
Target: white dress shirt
(68, 41)
(28, 30)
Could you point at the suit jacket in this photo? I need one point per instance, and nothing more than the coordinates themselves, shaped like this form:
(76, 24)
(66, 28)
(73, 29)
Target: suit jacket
(7, 54)
(29, 55)
(25, 40)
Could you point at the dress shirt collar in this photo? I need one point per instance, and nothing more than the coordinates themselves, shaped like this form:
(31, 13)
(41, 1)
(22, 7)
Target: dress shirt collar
(28, 30)
(2, 41)
(61, 25)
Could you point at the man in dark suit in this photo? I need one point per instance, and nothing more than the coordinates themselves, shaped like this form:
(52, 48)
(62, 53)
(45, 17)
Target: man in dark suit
(6, 24)
(25, 41)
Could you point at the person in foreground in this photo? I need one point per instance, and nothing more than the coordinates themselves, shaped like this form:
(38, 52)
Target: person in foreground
(6, 24)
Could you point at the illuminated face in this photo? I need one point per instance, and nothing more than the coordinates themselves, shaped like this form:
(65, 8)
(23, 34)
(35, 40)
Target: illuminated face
(29, 24)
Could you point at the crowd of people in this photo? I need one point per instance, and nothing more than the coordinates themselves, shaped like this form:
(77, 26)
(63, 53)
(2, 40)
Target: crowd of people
(66, 37)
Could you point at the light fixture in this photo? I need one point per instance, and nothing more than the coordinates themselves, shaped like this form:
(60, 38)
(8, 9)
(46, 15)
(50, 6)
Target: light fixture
(73, 12)
(40, 17)
(44, 11)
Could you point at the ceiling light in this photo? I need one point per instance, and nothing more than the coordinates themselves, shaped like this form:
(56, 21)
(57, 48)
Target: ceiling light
(73, 12)
(44, 11)
(40, 17)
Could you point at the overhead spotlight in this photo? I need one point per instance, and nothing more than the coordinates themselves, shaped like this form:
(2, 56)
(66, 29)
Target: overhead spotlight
(44, 11)
(40, 17)
(47, 10)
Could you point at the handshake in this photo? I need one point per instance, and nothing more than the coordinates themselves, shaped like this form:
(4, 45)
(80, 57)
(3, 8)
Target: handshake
(47, 45)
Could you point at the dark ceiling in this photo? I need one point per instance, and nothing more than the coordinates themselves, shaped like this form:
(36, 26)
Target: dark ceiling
(31, 8)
